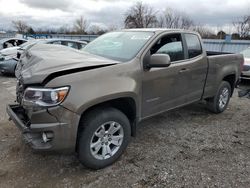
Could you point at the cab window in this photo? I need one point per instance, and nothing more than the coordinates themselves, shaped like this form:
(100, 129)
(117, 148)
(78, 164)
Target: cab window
(193, 45)
(171, 45)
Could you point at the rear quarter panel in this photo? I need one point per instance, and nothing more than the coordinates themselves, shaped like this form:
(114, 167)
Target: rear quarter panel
(221, 66)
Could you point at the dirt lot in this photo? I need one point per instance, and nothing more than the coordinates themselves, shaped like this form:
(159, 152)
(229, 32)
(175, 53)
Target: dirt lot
(187, 147)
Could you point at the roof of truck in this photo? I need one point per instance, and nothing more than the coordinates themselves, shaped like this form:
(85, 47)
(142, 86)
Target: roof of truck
(158, 30)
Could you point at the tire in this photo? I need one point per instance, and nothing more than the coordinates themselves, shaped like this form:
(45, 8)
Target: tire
(219, 102)
(116, 137)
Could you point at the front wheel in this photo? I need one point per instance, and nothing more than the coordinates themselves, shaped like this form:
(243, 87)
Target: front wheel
(220, 101)
(104, 136)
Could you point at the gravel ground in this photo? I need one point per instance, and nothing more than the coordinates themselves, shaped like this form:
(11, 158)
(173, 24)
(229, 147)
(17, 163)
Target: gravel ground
(186, 147)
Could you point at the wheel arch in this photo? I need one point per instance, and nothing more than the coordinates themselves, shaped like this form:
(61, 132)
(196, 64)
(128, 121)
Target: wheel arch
(231, 79)
(126, 104)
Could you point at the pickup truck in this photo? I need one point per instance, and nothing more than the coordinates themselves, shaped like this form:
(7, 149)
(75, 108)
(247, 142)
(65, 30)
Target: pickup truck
(90, 102)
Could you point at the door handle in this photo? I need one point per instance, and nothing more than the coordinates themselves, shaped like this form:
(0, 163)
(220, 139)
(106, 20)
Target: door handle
(183, 70)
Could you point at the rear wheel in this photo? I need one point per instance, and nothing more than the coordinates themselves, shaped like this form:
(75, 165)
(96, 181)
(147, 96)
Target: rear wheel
(104, 136)
(220, 101)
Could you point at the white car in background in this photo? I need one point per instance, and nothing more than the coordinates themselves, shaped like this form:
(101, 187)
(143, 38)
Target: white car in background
(9, 53)
(11, 42)
(245, 75)
(9, 57)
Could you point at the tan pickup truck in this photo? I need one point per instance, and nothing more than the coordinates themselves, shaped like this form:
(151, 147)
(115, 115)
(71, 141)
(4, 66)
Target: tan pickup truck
(90, 102)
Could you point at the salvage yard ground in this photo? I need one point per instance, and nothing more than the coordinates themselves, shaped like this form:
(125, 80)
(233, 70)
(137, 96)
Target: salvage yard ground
(187, 147)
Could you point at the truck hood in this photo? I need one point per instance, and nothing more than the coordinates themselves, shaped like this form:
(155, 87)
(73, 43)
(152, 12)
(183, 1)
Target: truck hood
(44, 60)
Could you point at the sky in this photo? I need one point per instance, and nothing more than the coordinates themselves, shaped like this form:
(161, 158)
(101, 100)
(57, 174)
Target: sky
(110, 13)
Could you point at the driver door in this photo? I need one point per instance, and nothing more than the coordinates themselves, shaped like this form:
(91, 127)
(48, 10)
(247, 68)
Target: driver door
(164, 88)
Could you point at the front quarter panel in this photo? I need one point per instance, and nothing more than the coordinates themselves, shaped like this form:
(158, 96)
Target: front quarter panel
(92, 87)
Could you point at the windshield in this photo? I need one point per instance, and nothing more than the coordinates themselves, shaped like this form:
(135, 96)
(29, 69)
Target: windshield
(246, 53)
(121, 46)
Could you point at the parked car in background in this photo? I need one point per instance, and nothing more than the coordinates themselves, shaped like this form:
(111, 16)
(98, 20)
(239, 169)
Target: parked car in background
(79, 45)
(91, 101)
(87, 41)
(67, 42)
(9, 53)
(245, 74)
(11, 42)
(9, 57)
(12, 51)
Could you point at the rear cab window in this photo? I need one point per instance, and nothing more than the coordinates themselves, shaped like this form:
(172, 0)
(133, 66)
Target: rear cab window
(194, 48)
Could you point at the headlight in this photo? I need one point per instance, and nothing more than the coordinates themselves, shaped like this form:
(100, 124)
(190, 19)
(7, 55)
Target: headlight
(45, 97)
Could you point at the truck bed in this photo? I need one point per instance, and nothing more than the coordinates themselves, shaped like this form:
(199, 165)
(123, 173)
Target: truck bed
(212, 53)
(218, 63)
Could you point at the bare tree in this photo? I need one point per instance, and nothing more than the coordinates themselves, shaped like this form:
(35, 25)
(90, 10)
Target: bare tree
(30, 30)
(140, 16)
(174, 19)
(221, 34)
(112, 27)
(81, 25)
(205, 32)
(20, 26)
(235, 36)
(64, 29)
(96, 30)
(242, 26)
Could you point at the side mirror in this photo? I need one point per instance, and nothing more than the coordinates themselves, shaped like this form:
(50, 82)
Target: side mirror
(159, 60)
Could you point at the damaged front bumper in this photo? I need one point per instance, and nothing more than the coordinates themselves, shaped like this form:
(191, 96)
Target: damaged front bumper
(48, 130)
